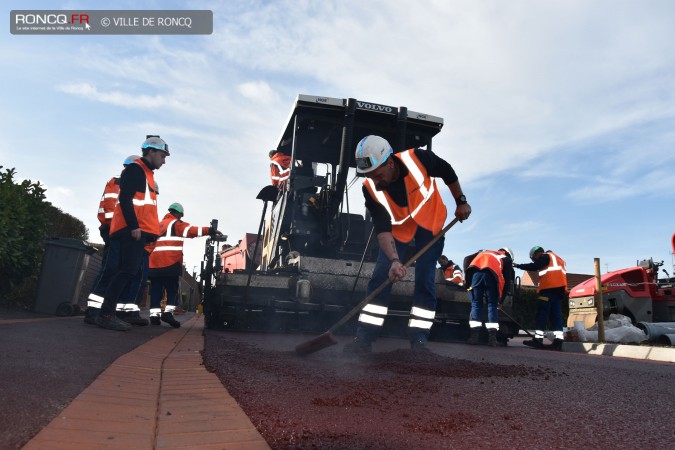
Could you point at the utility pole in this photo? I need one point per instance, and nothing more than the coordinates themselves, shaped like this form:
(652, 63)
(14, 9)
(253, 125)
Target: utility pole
(598, 302)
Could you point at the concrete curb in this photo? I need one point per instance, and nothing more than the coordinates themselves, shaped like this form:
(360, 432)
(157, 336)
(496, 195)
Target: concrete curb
(664, 354)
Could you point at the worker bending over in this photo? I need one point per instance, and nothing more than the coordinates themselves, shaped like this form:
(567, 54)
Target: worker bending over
(489, 274)
(403, 199)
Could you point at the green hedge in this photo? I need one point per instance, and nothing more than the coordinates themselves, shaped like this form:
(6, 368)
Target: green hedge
(23, 224)
(26, 219)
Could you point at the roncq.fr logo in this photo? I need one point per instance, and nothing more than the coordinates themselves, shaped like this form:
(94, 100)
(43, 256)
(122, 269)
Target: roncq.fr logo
(51, 19)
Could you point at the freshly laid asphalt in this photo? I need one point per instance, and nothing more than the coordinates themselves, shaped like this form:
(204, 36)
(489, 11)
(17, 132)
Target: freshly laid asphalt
(66, 385)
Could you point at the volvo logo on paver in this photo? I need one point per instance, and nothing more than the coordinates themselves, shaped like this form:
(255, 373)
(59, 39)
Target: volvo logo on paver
(421, 116)
(321, 100)
(374, 107)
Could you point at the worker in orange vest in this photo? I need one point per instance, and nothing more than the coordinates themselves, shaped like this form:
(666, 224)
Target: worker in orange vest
(127, 309)
(451, 272)
(280, 168)
(552, 291)
(166, 263)
(404, 202)
(488, 274)
(134, 224)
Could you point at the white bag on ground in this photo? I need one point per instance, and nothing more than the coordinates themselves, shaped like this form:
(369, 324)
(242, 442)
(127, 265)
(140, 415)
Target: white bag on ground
(618, 329)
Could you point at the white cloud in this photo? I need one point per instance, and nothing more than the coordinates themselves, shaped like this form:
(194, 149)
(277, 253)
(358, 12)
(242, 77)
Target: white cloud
(574, 97)
(258, 91)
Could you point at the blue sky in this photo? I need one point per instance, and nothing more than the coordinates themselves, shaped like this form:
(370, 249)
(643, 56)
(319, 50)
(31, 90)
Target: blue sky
(559, 115)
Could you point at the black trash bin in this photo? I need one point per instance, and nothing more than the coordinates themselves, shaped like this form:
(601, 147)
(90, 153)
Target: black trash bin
(64, 264)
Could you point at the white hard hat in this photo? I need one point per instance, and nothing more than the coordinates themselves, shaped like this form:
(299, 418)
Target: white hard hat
(508, 251)
(155, 143)
(371, 152)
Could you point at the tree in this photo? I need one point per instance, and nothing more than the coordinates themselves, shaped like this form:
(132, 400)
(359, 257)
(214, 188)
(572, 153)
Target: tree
(23, 223)
(26, 219)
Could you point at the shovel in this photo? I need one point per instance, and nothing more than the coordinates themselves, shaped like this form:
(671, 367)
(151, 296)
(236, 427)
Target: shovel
(514, 321)
(327, 339)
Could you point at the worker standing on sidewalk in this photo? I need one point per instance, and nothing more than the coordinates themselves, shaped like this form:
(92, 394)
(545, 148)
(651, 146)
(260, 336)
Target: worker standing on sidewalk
(552, 290)
(109, 256)
(402, 197)
(489, 273)
(166, 263)
(134, 223)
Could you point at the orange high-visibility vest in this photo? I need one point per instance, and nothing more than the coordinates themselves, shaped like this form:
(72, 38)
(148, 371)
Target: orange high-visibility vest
(453, 274)
(491, 260)
(555, 275)
(108, 200)
(425, 206)
(168, 249)
(145, 206)
(280, 168)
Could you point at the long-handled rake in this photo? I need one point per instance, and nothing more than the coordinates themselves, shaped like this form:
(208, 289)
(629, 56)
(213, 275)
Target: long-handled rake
(327, 339)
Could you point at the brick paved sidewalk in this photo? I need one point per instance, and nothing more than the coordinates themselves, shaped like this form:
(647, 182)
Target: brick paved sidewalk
(156, 396)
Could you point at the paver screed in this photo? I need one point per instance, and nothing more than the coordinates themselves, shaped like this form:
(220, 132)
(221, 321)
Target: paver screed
(156, 396)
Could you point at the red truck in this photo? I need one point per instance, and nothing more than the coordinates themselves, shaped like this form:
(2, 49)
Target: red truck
(636, 292)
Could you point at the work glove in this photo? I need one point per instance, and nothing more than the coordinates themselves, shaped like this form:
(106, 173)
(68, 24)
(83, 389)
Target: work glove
(214, 233)
(517, 266)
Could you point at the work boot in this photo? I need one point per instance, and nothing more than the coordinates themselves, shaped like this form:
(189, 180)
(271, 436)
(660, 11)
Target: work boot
(359, 346)
(474, 336)
(136, 320)
(557, 345)
(112, 322)
(492, 339)
(90, 315)
(168, 318)
(535, 343)
(419, 346)
(155, 320)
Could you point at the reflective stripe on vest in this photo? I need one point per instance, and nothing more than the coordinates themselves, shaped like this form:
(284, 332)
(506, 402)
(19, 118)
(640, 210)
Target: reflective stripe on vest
(164, 243)
(555, 275)
(280, 172)
(187, 230)
(453, 274)
(146, 200)
(145, 206)
(423, 197)
(108, 201)
(167, 242)
(489, 259)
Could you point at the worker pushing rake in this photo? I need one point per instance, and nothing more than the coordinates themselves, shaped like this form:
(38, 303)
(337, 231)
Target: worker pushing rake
(402, 196)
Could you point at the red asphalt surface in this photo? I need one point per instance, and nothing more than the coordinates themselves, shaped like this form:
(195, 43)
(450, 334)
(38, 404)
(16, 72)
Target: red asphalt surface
(158, 394)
